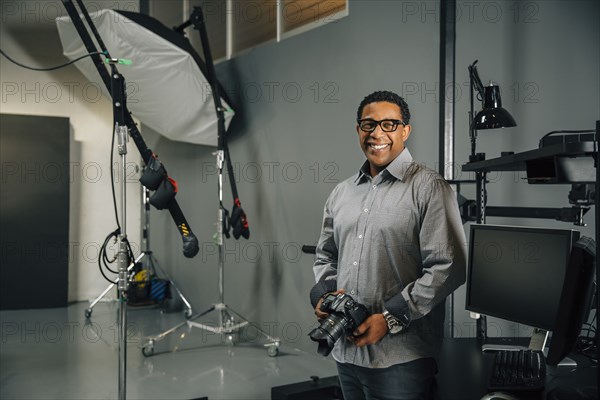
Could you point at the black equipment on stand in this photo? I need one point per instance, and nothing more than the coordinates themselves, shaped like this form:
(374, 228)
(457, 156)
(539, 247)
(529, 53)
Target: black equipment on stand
(230, 321)
(150, 261)
(124, 127)
(190, 242)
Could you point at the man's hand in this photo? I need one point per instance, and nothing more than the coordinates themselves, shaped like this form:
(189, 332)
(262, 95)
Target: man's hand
(371, 331)
(320, 314)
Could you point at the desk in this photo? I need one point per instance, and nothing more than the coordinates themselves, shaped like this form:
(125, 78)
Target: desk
(464, 374)
(465, 371)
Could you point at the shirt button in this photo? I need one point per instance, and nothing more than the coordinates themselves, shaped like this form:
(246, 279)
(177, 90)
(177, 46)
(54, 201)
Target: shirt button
(354, 263)
(374, 186)
(360, 236)
(366, 210)
(353, 291)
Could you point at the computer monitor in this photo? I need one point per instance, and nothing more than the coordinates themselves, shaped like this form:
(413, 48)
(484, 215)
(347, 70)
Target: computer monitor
(520, 274)
(575, 301)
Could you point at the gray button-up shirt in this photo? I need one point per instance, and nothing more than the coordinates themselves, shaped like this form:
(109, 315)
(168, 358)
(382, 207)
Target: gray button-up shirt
(395, 241)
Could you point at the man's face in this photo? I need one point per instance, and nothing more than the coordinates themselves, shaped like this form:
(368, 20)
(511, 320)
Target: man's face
(380, 147)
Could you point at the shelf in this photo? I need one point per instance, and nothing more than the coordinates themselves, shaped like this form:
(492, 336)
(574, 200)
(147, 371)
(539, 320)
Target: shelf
(556, 164)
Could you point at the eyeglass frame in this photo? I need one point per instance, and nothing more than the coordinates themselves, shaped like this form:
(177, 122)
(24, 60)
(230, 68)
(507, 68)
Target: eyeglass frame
(396, 122)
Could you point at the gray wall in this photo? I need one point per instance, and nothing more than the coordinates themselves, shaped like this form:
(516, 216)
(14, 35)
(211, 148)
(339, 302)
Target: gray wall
(291, 148)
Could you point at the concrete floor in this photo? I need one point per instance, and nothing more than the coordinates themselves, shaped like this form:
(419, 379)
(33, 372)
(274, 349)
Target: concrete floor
(58, 354)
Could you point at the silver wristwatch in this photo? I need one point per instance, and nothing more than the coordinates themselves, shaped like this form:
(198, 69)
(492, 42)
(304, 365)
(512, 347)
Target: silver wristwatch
(392, 323)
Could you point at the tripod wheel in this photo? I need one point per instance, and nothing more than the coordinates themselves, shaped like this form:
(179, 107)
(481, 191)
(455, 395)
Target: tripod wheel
(273, 351)
(88, 312)
(148, 349)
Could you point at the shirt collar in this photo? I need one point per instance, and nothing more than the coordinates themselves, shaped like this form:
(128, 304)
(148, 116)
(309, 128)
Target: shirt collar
(397, 168)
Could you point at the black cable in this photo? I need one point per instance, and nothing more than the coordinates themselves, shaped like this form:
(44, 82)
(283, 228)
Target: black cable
(112, 177)
(586, 342)
(587, 348)
(103, 256)
(50, 68)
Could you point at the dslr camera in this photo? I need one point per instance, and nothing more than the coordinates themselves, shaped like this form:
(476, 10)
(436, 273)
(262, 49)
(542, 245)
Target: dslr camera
(345, 315)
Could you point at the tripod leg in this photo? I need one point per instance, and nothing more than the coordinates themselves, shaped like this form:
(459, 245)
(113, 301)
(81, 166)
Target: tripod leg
(188, 307)
(272, 347)
(148, 346)
(88, 311)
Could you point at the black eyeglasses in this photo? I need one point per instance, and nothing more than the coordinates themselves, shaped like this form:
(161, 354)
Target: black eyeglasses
(387, 125)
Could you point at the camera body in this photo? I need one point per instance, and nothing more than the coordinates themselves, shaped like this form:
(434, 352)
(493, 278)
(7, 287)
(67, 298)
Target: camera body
(345, 314)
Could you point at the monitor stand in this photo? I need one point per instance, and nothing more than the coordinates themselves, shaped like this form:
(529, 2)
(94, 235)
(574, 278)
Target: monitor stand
(491, 347)
(537, 342)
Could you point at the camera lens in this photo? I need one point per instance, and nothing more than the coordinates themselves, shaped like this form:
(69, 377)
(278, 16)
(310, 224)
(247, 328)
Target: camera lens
(330, 330)
(345, 314)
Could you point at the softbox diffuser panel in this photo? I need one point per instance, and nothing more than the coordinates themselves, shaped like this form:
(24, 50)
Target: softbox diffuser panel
(167, 88)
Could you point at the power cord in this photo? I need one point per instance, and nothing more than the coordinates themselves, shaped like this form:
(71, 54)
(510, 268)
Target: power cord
(50, 68)
(586, 342)
(103, 258)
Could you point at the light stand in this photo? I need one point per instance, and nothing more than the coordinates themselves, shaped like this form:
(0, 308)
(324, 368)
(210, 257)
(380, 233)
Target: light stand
(597, 260)
(474, 81)
(230, 321)
(124, 127)
(122, 133)
(227, 317)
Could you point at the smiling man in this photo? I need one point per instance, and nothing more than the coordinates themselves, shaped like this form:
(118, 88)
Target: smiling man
(382, 146)
(393, 240)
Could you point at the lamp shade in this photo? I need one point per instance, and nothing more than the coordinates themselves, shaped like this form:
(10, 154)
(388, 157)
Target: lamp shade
(168, 90)
(493, 115)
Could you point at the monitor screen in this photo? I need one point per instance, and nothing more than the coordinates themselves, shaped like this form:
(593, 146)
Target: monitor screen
(517, 273)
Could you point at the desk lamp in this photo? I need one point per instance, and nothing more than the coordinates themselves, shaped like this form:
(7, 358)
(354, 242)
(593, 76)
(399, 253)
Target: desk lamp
(492, 116)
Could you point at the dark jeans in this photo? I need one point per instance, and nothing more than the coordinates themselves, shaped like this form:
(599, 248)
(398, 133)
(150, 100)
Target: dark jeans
(414, 380)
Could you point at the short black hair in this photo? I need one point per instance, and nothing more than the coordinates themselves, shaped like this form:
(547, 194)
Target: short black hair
(387, 96)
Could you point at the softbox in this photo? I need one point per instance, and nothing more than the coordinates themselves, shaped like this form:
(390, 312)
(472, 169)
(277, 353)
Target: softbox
(166, 83)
